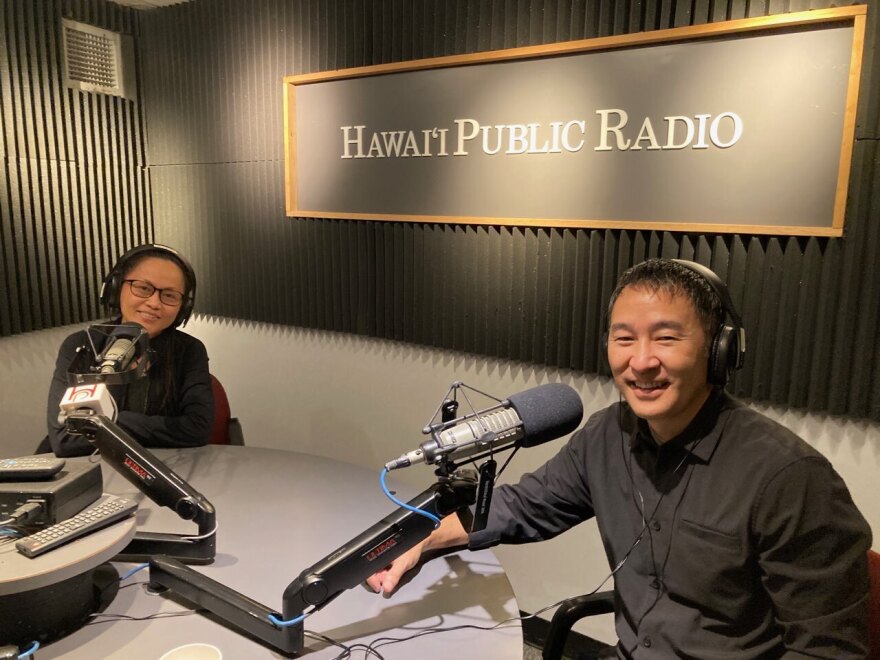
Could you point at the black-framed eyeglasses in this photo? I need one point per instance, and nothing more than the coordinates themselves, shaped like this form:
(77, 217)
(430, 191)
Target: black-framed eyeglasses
(143, 289)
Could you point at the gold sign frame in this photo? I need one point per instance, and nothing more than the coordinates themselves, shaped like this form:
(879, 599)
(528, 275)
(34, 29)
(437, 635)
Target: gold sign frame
(855, 14)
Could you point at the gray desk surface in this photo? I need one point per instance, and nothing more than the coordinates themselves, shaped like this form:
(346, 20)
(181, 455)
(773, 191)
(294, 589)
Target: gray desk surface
(280, 512)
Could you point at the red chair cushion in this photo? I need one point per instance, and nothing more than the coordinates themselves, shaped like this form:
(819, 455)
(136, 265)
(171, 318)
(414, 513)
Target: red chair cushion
(222, 414)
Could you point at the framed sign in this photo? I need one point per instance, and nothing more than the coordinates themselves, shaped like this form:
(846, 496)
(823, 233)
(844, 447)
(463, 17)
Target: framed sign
(745, 126)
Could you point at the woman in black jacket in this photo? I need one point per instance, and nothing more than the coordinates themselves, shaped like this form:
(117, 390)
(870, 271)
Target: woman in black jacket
(172, 405)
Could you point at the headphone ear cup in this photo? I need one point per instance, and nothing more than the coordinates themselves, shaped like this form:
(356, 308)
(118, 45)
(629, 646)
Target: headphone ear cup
(110, 290)
(603, 361)
(186, 308)
(722, 355)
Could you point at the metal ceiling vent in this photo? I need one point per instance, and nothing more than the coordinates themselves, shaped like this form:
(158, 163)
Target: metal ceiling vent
(97, 60)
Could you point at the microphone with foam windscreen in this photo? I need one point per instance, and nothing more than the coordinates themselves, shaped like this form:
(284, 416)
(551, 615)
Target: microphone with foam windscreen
(526, 419)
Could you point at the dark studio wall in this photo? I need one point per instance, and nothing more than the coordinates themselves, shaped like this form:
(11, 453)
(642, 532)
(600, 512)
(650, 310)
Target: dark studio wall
(74, 190)
(210, 159)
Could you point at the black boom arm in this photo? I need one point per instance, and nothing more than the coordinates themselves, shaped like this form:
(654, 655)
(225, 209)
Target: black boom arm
(319, 584)
(158, 482)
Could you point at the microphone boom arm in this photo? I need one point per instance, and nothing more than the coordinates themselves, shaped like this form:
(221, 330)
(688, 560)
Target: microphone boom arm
(342, 569)
(158, 482)
(545, 412)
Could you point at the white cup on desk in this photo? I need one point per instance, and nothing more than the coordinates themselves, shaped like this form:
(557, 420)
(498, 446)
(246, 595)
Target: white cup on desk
(193, 652)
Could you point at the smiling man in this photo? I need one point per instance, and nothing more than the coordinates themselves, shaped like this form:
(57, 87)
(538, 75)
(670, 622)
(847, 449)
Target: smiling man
(658, 351)
(730, 537)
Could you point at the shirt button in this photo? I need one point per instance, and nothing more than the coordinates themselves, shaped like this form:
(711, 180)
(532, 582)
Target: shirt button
(656, 525)
(647, 642)
(655, 583)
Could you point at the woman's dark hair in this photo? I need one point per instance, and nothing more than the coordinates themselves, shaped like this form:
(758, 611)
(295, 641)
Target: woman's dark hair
(160, 253)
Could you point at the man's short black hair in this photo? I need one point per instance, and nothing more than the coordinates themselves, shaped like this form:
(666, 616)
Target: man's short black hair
(679, 280)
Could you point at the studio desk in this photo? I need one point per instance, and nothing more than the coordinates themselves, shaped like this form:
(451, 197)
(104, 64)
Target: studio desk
(278, 513)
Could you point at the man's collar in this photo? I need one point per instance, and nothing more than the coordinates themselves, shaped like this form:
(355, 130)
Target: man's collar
(700, 437)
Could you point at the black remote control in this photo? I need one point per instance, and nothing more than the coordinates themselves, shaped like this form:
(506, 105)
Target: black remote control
(106, 511)
(29, 468)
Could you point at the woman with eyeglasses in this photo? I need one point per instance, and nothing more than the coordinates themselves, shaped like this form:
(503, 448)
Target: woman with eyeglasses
(172, 405)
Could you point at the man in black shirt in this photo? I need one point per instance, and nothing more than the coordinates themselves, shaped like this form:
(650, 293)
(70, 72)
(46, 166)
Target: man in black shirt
(730, 536)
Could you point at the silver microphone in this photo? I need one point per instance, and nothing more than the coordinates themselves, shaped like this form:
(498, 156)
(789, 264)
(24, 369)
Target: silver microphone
(525, 419)
(120, 348)
(117, 357)
(473, 435)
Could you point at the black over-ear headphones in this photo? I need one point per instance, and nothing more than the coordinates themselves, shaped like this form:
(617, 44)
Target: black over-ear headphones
(728, 347)
(112, 285)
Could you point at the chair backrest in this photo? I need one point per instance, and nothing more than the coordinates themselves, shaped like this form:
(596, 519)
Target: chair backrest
(222, 414)
(874, 617)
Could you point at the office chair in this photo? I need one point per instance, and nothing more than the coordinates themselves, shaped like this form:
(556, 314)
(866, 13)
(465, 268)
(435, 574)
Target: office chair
(579, 607)
(227, 429)
(567, 614)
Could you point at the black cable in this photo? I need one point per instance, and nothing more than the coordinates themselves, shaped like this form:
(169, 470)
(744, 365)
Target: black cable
(106, 618)
(371, 649)
(357, 647)
(387, 641)
(323, 638)
(684, 491)
(346, 650)
(507, 462)
(659, 575)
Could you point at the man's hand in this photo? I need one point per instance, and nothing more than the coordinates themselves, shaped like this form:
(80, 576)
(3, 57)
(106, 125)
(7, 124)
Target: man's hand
(450, 533)
(388, 578)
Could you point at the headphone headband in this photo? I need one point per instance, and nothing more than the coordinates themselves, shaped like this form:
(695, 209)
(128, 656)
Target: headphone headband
(718, 285)
(112, 285)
